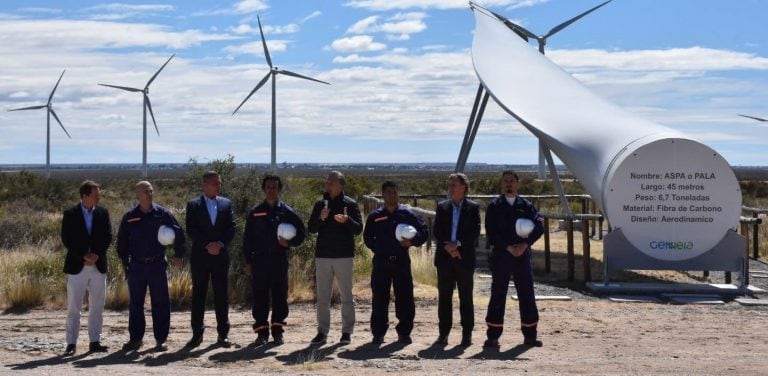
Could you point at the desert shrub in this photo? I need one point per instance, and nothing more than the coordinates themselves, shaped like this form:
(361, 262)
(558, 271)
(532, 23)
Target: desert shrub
(26, 292)
(180, 287)
(422, 267)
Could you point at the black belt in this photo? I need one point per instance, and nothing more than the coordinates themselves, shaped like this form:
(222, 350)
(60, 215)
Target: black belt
(148, 260)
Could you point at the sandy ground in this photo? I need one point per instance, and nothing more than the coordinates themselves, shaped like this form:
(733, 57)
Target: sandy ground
(582, 336)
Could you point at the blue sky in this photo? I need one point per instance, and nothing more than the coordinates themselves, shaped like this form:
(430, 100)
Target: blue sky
(401, 74)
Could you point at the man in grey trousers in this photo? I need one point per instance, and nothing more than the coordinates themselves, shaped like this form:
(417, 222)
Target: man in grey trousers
(336, 220)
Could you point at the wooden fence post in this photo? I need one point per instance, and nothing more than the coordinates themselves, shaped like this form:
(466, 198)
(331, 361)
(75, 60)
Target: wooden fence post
(585, 250)
(571, 257)
(755, 238)
(547, 260)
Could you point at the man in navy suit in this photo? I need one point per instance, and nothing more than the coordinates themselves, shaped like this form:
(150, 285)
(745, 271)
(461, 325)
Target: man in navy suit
(211, 226)
(456, 229)
(86, 233)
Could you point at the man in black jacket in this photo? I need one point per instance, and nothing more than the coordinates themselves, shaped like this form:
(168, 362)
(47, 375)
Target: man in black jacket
(456, 229)
(336, 219)
(266, 259)
(211, 226)
(86, 232)
(511, 258)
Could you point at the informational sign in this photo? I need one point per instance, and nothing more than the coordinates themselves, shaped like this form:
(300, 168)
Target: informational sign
(674, 199)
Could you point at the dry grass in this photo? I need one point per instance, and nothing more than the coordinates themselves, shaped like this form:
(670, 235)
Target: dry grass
(301, 279)
(117, 294)
(423, 268)
(180, 287)
(31, 276)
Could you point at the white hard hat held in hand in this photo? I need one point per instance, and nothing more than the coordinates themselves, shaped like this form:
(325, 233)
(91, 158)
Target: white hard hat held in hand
(523, 227)
(166, 235)
(286, 231)
(405, 231)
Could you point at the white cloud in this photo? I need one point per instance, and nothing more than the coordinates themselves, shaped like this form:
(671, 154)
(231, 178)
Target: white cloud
(381, 5)
(268, 29)
(256, 48)
(121, 7)
(357, 43)
(40, 10)
(241, 7)
(250, 6)
(310, 16)
(58, 35)
(363, 25)
(397, 27)
(19, 94)
(121, 11)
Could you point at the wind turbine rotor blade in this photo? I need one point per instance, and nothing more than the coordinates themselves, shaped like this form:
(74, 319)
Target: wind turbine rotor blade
(264, 43)
(149, 106)
(258, 86)
(50, 97)
(29, 108)
(59, 121)
(289, 73)
(754, 118)
(158, 71)
(124, 88)
(572, 20)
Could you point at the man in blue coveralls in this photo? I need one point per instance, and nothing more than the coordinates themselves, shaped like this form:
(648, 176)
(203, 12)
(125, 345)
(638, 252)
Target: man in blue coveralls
(391, 264)
(266, 259)
(511, 256)
(144, 261)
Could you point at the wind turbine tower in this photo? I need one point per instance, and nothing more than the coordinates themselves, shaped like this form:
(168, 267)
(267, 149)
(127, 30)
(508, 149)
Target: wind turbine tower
(49, 110)
(146, 106)
(273, 72)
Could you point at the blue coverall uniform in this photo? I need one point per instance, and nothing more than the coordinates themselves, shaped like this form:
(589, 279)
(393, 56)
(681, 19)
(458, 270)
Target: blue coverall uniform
(500, 220)
(143, 257)
(269, 262)
(392, 267)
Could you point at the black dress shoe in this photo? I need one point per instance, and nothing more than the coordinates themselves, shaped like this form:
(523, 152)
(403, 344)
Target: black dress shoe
(97, 347)
(70, 350)
(377, 340)
(406, 339)
(533, 342)
(277, 338)
(466, 341)
(194, 342)
(442, 340)
(133, 345)
(261, 339)
(491, 343)
(160, 347)
(223, 342)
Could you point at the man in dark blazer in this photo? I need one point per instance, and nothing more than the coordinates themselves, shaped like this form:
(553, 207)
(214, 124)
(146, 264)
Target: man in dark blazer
(456, 229)
(211, 225)
(86, 232)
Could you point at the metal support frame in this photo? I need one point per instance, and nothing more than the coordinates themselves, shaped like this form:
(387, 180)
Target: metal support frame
(478, 109)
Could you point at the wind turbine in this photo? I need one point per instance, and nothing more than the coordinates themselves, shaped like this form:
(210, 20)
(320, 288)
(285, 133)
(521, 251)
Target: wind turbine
(273, 72)
(147, 106)
(49, 109)
(542, 40)
(476, 117)
(754, 118)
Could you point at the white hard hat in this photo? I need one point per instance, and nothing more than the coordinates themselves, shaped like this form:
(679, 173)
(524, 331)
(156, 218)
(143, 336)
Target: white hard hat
(286, 231)
(523, 227)
(166, 235)
(405, 231)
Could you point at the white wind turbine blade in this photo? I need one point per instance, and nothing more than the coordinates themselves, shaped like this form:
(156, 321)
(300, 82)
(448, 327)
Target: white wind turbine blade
(258, 86)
